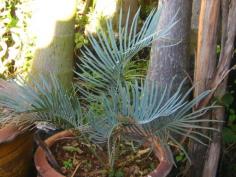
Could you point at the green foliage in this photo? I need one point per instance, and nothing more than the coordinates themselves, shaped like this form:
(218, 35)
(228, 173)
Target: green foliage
(232, 115)
(227, 99)
(218, 49)
(229, 132)
(80, 40)
(81, 20)
(16, 45)
(68, 164)
(116, 173)
(180, 157)
(228, 163)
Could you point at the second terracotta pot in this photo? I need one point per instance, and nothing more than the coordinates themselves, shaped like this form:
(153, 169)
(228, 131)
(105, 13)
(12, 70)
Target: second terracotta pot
(41, 163)
(46, 170)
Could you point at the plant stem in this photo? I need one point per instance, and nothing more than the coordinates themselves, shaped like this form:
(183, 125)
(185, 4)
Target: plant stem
(77, 167)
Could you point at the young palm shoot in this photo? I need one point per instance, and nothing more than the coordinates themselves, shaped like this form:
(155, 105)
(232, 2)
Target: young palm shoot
(105, 63)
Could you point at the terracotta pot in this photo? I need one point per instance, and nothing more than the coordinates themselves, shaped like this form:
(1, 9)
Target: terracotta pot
(16, 152)
(43, 167)
(46, 170)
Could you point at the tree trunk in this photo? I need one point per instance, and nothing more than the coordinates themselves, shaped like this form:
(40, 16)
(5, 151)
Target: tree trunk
(204, 70)
(194, 26)
(172, 61)
(207, 38)
(213, 154)
(195, 14)
(169, 61)
(53, 25)
(227, 50)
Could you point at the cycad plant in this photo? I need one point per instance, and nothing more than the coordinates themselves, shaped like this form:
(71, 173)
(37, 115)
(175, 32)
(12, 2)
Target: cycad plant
(108, 61)
(136, 109)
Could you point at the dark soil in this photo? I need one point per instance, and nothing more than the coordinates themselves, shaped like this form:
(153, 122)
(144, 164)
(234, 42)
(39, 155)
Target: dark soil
(78, 160)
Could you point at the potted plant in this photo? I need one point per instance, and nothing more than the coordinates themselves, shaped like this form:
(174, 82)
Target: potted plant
(115, 111)
(132, 113)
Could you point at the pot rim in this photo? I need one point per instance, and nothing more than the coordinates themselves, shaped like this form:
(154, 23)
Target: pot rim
(41, 163)
(8, 133)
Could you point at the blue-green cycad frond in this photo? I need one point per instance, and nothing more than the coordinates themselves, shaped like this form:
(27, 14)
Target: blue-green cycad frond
(46, 100)
(104, 64)
(146, 110)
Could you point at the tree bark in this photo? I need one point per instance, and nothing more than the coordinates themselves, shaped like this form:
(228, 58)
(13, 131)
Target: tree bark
(195, 14)
(54, 30)
(169, 61)
(194, 26)
(207, 38)
(227, 46)
(204, 70)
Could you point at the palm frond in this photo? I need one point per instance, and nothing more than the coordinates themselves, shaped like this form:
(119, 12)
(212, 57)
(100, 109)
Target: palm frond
(44, 99)
(104, 64)
(141, 111)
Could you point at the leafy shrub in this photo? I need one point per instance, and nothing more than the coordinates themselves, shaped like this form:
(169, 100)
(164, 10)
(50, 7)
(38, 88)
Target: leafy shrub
(16, 45)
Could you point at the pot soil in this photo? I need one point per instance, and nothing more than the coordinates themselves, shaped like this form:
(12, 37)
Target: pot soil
(77, 160)
(16, 152)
